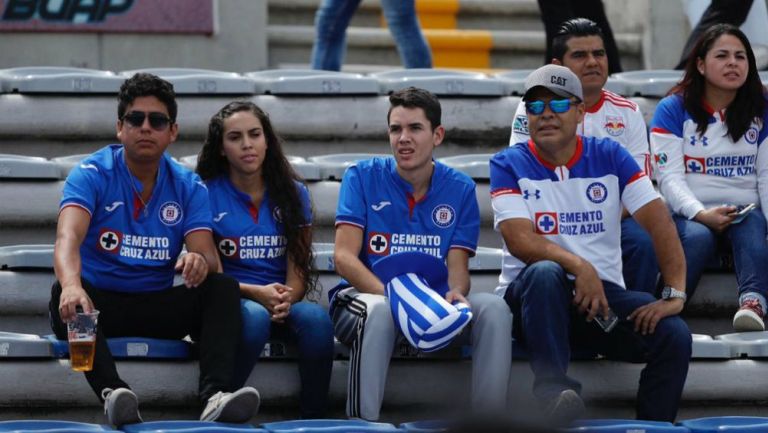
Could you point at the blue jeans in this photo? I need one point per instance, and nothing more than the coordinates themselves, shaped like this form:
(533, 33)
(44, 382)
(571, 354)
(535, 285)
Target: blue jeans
(308, 325)
(747, 242)
(333, 17)
(640, 267)
(545, 319)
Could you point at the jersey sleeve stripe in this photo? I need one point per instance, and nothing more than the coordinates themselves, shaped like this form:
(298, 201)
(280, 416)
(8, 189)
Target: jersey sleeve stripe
(504, 191)
(659, 130)
(636, 176)
(349, 223)
(197, 229)
(68, 204)
(471, 251)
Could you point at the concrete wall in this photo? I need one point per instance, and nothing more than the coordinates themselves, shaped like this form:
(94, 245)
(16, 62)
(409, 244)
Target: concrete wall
(239, 44)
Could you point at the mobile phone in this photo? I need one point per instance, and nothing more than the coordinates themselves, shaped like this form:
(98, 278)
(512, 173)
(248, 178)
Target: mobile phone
(741, 212)
(607, 324)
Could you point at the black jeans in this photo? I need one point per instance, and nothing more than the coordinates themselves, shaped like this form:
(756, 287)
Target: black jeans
(554, 12)
(209, 313)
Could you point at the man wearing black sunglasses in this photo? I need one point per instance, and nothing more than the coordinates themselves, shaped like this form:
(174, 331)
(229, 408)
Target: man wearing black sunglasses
(557, 202)
(126, 212)
(579, 46)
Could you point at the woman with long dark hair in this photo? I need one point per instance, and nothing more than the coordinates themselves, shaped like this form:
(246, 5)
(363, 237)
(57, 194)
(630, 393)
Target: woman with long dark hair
(709, 142)
(262, 226)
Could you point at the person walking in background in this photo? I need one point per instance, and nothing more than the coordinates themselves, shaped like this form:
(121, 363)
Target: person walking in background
(333, 17)
(555, 12)
(579, 46)
(262, 226)
(732, 12)
(709, 138)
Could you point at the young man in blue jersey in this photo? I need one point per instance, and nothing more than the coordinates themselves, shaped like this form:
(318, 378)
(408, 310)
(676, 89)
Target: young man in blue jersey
(562, 254)
(125, 214)
(410, 202)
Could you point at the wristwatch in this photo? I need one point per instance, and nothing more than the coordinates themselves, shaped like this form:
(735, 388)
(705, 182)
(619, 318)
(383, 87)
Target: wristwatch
(669, 292)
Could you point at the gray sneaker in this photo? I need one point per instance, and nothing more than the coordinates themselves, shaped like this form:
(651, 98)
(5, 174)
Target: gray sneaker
(121, 406)
(236, 407)
(564, 408)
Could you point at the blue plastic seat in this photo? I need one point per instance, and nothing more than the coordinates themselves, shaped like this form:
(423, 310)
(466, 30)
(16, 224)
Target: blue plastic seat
(134, 348)
(45, 426)
(730, 424)
(426, 426)
(190, 427)
(328, 426)
(623, 426)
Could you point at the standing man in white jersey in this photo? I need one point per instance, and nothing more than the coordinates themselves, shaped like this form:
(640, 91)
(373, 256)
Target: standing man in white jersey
(579, 46)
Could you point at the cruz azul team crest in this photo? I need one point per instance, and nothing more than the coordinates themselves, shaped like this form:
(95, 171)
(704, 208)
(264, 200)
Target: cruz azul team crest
(170, 213)
(443, 216)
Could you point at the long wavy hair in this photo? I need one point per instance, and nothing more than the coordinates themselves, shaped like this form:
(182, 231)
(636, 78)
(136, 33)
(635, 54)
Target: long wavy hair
(280, 180)
(750, 98)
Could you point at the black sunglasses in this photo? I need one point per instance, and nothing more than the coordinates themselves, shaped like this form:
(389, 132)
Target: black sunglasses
(157, 121)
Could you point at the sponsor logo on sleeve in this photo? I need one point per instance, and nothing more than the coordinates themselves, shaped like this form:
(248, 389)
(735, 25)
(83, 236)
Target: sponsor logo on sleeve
(520, 124)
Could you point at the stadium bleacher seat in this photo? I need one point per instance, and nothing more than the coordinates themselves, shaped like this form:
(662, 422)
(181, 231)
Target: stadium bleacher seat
(17, 345)
(746, 344)
(329, 426)
(308, 170)
(514, 81)
(189, 427)
(191, 81)
(44, 426)
(474, 165)
(133, 347)
(441, 82)
(312, 82)
(27, 167)
(54, 79)
(730, 424)
(653, 83)
(704, 347)
(623, 426)
(332, 166)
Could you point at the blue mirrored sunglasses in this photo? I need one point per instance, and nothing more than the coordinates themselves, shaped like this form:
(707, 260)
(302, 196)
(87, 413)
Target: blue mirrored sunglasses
(556, 105)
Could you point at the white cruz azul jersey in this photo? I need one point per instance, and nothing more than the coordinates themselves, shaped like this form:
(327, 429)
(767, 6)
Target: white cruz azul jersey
(577, 205)
(614, 117)
(696, 171)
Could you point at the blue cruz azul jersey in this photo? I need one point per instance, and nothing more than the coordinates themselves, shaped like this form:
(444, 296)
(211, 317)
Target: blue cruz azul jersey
(376, 199)
(129, 248)
(577, 206)
(250, 241)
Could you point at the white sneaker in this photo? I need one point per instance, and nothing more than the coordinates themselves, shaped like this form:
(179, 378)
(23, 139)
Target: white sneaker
(236, 407)
(121, 406)
(749, 317)
(564, 408)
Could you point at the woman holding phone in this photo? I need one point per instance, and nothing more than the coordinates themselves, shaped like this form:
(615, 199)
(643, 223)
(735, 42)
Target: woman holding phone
(262, 227)
(709, 142)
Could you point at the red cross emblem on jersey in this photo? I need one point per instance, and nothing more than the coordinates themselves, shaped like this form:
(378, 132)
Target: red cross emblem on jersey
(546, 223)
(694, 165)
(378, 243)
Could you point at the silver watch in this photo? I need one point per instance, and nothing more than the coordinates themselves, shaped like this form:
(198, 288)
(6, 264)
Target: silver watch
(669, 292)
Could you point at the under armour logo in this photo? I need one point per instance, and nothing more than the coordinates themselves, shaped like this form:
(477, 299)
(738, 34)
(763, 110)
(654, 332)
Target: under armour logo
(89, 166)
(536, 194)
(219, 217)
(694, 140)
(380, 206)
(114, 206)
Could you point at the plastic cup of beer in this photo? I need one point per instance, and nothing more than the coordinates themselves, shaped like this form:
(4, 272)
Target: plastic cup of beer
(82, 340)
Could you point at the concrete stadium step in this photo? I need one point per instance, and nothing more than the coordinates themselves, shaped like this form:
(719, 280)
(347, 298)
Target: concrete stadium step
(467, 14)
(510, 49)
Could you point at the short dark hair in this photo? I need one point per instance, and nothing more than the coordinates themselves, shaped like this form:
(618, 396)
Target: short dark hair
(144, 84)
(413, 97)
(573, 28)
